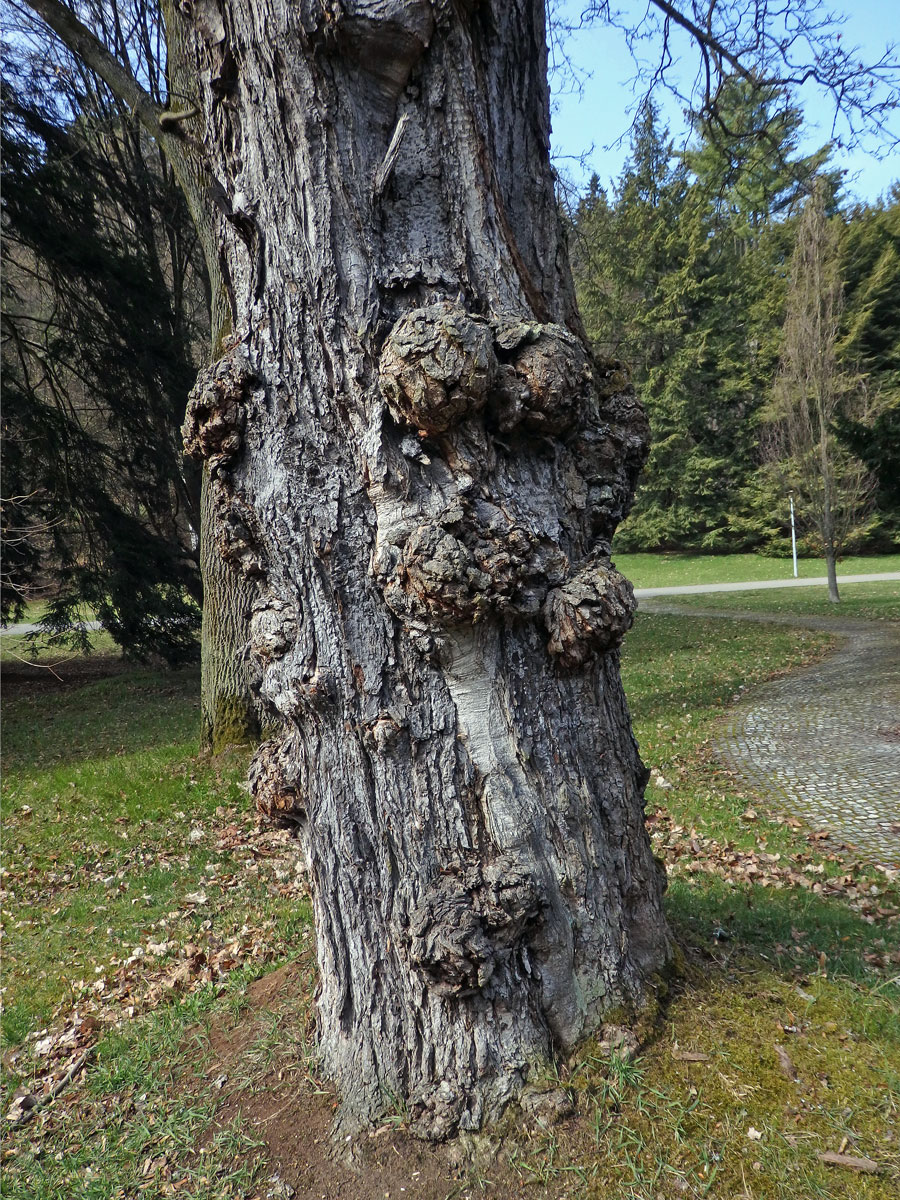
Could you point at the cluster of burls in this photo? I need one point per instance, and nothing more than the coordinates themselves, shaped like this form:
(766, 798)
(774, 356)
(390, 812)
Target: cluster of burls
(216, 412)
(522, 532)
(441, 364)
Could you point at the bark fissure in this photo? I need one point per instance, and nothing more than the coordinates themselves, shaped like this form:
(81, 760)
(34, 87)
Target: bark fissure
(420, 463)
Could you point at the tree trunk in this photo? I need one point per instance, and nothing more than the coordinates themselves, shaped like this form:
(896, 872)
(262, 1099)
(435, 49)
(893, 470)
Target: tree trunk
(830, 555)
(827, 491)
(831, 568)
(417, 462)
(228, 712)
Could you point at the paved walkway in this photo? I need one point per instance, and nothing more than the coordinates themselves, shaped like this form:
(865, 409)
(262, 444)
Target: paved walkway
(824, 743)
(25, 627)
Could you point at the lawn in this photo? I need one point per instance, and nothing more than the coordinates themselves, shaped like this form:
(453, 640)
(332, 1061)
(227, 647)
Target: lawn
(157, 935)
(674, 570)
(866, 601)
(25, 648)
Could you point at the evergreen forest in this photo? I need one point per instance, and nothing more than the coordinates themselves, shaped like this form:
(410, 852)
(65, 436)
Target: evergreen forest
(690, 271)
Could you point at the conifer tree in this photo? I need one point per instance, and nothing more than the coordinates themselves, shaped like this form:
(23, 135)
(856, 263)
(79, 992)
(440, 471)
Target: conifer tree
(869, 347)
(683, 273)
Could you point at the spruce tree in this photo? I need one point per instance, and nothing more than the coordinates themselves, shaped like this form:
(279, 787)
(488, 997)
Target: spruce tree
(683, 273)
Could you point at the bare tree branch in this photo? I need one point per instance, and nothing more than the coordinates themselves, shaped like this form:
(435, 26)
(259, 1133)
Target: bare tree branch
(703, 37)
(82, 42)
(771, 44)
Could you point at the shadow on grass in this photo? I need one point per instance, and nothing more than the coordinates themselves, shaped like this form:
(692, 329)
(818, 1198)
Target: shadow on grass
(795, 933)
(132, 709)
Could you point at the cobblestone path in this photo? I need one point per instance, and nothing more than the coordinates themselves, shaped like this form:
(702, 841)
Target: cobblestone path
(824, 743)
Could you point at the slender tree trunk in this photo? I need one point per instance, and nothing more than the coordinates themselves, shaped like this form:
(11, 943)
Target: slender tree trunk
(831, 568)
(230, 712)
(827, 487)
(416, 461)
(830, 551)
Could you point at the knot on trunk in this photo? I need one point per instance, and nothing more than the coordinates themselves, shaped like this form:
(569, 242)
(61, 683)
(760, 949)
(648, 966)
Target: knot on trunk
(547, 383)
(384, 39)
(471, 922)
(273, 628)
(216, 411)
(487, 562)
(611, 449)
(238, 534)
(440, 364)
(590, 613)
(273, 782)
(437, 366)
(439, 576)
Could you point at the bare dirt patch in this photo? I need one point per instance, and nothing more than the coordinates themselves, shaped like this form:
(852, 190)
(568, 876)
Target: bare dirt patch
(272, 1093)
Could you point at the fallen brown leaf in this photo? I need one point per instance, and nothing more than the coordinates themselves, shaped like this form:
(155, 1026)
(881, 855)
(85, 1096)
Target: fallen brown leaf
(849, 1160)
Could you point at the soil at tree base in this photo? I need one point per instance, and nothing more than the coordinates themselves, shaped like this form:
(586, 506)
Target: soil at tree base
(294, 1116)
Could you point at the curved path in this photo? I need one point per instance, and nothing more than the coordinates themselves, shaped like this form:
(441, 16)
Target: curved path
(824, 742)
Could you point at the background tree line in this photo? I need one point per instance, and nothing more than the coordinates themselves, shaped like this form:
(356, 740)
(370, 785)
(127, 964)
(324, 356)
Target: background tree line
(685, 270)
(104, 324)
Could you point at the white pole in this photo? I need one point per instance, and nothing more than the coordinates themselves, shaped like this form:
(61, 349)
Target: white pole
(793, 538)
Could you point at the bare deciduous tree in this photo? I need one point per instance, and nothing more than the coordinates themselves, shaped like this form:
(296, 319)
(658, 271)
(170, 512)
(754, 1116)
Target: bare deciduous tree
(767, 45)
(812, 391)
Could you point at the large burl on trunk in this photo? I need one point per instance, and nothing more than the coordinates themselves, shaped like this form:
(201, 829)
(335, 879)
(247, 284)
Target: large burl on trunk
(417, 459)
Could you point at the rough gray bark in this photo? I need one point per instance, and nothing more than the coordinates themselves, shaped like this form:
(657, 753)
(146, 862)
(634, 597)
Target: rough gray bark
(419, 466)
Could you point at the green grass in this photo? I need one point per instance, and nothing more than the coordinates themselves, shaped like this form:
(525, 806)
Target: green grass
(137, 1127)
(111, 824)
(23, 648)
(112, 821)
(101, 791)
(680, 674)
(867, 601)
(732, 1123)
(674, 570)
(35, 609)
(102, 720)
(766, 966)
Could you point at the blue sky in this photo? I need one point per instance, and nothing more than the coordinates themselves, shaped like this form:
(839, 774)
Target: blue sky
(588, 123)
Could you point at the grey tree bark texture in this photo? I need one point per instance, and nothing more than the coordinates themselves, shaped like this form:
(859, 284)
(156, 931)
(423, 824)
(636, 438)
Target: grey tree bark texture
(418, 463)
